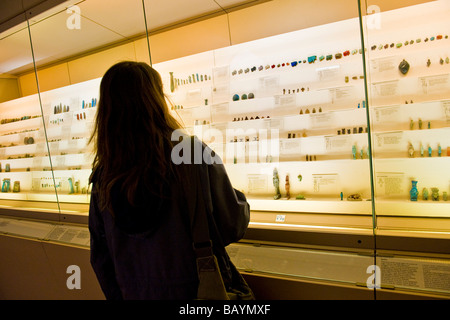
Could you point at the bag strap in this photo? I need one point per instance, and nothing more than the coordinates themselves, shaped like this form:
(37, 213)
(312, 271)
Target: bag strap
(199, 221)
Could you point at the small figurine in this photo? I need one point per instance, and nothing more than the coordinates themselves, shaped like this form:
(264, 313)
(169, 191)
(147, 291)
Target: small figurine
(420, 124)
(435, 194)
(342, 196)
(444, 196)
(288, 188)
(439, 150)
(411, 124)
(424, 194)
(354, 152)
(411, 151)
(429, 151)
(276, 184)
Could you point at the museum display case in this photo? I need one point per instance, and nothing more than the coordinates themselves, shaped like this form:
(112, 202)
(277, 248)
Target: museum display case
(338, 134)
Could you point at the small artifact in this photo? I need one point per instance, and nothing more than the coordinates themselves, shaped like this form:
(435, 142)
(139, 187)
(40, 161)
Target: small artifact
(16, 187)
(424, 194)
(435, 194)
(71, 190)
(312, 59)
(404, 67)
(288, 188)
(444, 196)
(300, 196)
(354, 197)
(414, 193)
(6, 185)
(411, 151)
(276, 184)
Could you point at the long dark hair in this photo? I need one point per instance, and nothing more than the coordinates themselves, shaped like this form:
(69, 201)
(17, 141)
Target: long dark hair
(132, 133)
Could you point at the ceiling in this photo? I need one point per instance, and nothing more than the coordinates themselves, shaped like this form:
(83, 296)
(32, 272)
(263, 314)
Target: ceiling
(101, 23)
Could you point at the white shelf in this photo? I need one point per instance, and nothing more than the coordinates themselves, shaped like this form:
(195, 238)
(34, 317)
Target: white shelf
(45, 197)
(406, 208)
(325, 205)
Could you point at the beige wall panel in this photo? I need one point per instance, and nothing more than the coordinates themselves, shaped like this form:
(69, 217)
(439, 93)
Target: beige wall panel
(28, 84)
(9, 89)
(282, 16)
(141, 49)
(95, 65)
(53, 77)
(386, 5)
(24, 271)
(194, 38)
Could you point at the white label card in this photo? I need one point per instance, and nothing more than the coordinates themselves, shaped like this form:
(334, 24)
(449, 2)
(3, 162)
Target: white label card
(446, 110)
(389, 140)
(387, 88)
(325, 182)
(390, 183)
(387, 114)
(257, 183)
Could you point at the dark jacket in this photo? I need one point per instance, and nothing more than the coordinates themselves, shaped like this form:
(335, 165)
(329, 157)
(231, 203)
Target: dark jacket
(145, 251)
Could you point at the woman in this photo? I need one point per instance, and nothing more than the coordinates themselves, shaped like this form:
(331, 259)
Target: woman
(141, 243)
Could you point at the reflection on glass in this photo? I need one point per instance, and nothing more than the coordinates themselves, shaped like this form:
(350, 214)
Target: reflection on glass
(291, 104)
(409, 91)
(26, 181)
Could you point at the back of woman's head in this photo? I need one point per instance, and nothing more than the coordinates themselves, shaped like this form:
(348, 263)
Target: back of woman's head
(132, 130)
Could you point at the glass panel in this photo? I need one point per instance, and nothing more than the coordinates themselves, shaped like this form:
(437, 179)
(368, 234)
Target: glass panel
(69, 82)
(23, 151)
(287, 116)
(408, 73)
(341, 267)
